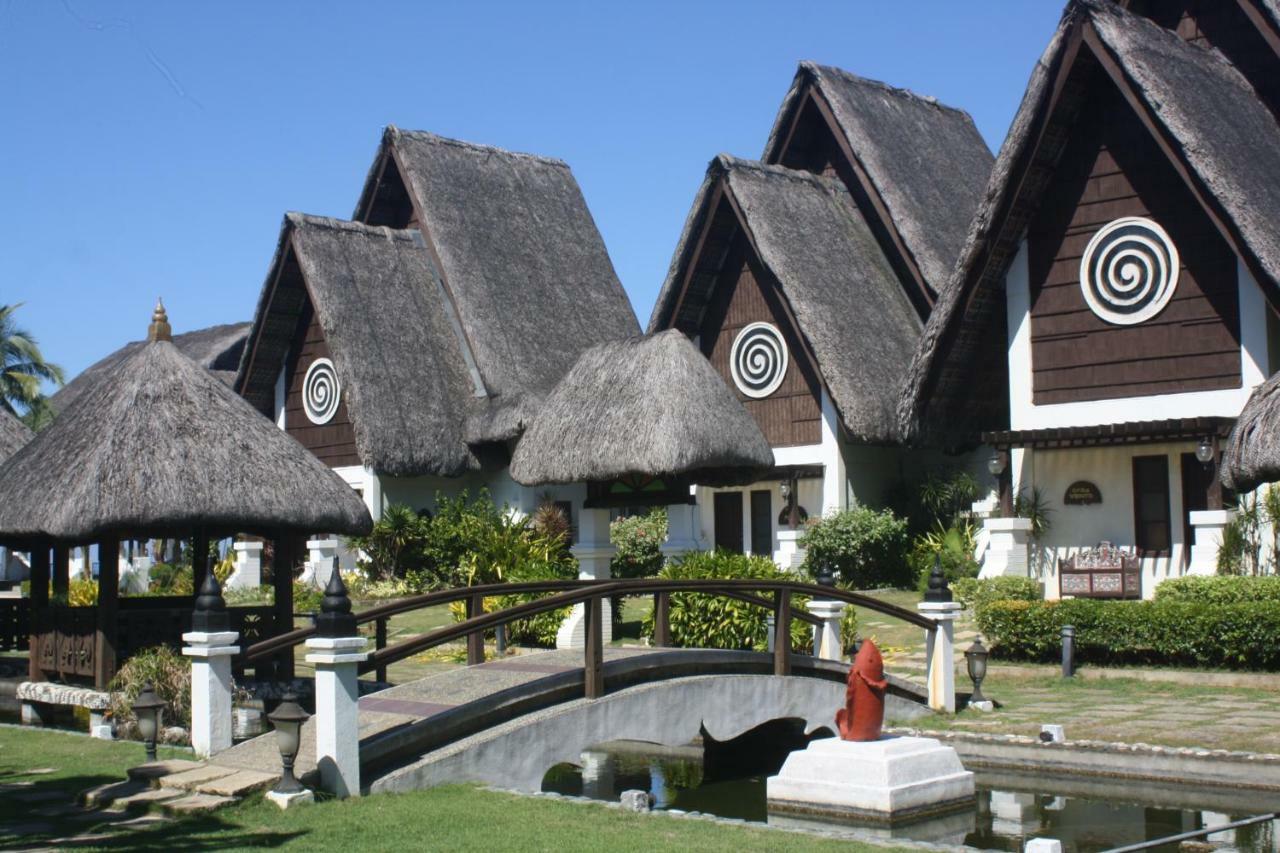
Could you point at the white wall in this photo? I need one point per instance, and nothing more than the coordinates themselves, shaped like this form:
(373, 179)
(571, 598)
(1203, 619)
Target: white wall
(1074, 528)
(1023, 414)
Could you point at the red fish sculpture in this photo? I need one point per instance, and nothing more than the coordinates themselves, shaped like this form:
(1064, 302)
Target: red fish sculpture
(862, 716)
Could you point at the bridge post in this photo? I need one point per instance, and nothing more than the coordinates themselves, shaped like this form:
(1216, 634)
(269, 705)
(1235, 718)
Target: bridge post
(337, 652)
(782, 633)
(594, 553)
(940, 642)
(662, 619)
(211, 646)
(593, 649)
(827, 635)
(475, 640)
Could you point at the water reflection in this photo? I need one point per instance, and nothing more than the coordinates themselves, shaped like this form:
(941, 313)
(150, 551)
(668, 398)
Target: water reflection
(1085, 815)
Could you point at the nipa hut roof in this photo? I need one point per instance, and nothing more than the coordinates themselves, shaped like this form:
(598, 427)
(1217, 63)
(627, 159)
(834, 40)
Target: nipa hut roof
(651, 406)
(1221, 131)
(216, 348)
(847, 301)
(13, 434)
(160, 446)
(925, 160)
(1251, 456)
(520, 255)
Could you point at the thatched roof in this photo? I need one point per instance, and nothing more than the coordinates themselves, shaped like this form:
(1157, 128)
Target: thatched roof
(652, 406)
(13, 434)
(1223, 134)
(520, 256)
(1251, 456)
(850, 307)
(925, 160)
(376, 294)
(216, 348)
(160, 446)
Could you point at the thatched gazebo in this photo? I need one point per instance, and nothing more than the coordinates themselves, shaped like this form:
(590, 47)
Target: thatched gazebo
(1252, 453)
(651, 406)
(160, 448)
(13, 434)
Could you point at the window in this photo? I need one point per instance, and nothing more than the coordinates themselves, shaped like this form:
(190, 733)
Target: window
(1151, 504)
(762, 523)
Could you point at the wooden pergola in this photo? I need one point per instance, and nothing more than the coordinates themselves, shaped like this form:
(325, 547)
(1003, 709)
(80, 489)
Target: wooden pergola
(158, 449)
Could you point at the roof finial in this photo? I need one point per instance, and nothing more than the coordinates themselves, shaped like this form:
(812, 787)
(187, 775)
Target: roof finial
(159, 329)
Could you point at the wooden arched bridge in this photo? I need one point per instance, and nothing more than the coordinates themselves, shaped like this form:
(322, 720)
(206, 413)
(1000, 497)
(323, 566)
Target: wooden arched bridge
(506, 721)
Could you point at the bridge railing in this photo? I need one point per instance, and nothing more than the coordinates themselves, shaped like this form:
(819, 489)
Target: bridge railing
(772, 594)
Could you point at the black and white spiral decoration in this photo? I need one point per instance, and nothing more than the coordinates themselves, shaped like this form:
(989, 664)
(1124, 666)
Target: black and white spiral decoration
(758, 360)
(320, 391)
(1129, 271)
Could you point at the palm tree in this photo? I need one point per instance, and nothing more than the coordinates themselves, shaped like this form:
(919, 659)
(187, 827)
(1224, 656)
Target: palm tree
(22, 367)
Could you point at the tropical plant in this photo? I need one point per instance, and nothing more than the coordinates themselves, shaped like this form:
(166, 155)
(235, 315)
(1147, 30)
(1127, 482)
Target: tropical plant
(1240, 552)
(1033, 506)
(393, 548)
(22, 366)
(638, 542)
(551, 521)
(949, 496)
(952, 546)
(866, 548)
(169, 675)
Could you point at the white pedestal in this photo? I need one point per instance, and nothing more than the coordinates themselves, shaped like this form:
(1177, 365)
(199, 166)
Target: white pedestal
(828, 645)
(682, 521)
(1008, 547)
(888, 780)
(248, 570)
(789, 555)
(594, 554)
(1208, 526)
(288, 801)
(211, 655)
(337, 715)
(940, 654)
(322, 561)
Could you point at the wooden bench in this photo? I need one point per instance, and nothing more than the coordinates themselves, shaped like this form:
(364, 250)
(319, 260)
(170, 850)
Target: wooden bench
(1105, 571)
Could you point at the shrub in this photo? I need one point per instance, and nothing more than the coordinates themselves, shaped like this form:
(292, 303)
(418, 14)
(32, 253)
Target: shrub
(168, 579)
(1220, 589)
(717, 622)
(953, 546)
(82, 592)
(638, 540)
(975, 594)
(170, 677)
(1178, 633)
(866, 548)
(306, 597)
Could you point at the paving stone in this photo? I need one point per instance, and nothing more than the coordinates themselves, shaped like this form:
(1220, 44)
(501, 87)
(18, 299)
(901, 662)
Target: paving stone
(112, 791)
(159, 769)
(140, 822)
(190, 779)
(239, 783)
(39, 771)
(147, 797)
(196, 804)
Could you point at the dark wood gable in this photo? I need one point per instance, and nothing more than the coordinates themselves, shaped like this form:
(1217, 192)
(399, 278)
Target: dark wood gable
(1241, 31)
(813, 143)
(728, 288)
(389, 203)
(1112, 168)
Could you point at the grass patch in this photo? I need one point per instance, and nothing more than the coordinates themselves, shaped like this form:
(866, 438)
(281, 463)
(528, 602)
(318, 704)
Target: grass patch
(447, 818)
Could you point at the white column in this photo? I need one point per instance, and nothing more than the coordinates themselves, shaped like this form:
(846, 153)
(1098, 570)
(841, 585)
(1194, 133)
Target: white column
(248, 570)
(682, 526)
(211, 655)
(594, 554)
(322, 554)
(1008, 547)
(828, 646)
(1207, 526)
(940, 654)
(337, 715)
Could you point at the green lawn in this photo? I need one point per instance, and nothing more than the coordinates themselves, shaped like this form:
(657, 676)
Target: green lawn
(450, 818)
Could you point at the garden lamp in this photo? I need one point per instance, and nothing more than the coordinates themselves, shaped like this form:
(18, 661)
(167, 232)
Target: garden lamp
(996, 463)
(1204, 450)
(824, 574)
(784, 489)
(146, 710)
(975, 660)
(287, 719)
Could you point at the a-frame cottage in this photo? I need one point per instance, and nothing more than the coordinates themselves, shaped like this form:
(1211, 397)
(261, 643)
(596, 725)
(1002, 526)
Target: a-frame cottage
(1116, 302)
(806, 278)
(408, 348)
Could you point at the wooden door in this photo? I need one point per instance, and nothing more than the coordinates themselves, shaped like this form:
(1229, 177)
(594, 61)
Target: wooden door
(762, 523)
(728, 514)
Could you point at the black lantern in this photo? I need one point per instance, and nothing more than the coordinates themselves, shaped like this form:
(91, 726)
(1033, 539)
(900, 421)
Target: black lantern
(287, 719)
(146, 710)
(824, 574)
(975, 660)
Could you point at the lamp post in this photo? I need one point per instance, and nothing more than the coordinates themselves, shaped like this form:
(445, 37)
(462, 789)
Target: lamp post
(975, 660)
(146, 710)
(287, 719)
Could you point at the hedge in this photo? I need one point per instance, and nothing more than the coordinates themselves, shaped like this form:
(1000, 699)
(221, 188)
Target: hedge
(975, 593)
(1236, 636)
(1220, 589)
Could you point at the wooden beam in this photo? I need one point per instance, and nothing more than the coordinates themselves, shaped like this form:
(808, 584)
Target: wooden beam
(1262, 24)
(690, 261)
(593, 649)
(199, 559)
(475, 640)
(39, 604)
(782, 633)
(105, 645)
(61, 571)
(286, 547)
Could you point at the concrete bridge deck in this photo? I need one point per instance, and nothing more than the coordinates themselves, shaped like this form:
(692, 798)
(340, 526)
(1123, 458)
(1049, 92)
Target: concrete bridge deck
(464, 707)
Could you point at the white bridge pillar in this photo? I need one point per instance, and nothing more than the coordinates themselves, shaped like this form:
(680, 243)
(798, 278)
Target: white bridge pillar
(594, 554)
(940, 653)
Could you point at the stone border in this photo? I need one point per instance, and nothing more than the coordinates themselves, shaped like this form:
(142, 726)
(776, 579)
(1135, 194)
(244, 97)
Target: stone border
(50, 693)
(1103, 759)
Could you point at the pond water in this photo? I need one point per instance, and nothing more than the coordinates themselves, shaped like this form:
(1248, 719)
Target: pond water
(1086, 815)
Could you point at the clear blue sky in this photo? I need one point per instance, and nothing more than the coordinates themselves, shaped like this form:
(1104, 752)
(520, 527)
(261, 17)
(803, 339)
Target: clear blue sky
(152, 148)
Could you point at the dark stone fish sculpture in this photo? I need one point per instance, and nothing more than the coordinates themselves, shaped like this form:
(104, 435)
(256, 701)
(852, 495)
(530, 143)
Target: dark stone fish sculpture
(862, 716)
